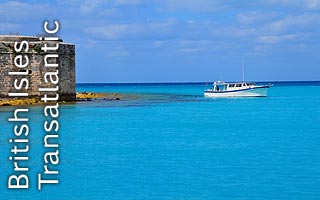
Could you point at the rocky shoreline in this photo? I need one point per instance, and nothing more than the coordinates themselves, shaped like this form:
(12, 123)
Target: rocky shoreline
(81, 96)
(87, 96)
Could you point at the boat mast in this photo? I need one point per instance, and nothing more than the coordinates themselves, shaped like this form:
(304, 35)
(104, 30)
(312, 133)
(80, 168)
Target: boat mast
(242, 69)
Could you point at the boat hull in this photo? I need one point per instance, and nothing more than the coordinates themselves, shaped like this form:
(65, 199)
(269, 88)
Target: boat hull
(250, 92)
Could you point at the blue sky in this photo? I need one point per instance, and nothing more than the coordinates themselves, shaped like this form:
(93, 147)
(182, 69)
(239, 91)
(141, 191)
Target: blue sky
(180, 40)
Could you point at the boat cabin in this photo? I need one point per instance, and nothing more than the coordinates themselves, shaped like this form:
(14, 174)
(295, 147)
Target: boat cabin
(220, 86)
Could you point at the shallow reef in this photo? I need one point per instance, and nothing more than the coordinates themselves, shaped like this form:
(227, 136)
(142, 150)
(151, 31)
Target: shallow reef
(81, 96)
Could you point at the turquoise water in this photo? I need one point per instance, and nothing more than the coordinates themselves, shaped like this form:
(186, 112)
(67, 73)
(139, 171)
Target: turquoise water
(171, 143)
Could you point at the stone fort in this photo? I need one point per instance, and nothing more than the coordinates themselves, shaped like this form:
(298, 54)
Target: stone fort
(36, 70)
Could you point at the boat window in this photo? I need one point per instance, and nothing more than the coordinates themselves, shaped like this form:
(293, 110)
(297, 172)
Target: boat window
(238, 85)
(231, 85)
(220, 88)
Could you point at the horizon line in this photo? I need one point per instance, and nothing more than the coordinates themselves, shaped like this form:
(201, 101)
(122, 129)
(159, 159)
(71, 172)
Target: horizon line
(192, 82)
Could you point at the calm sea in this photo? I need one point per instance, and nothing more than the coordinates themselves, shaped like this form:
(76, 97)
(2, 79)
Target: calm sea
(169, 142)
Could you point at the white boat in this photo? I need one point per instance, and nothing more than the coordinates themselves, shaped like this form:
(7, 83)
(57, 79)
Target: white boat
(237, 89)
(240, 89)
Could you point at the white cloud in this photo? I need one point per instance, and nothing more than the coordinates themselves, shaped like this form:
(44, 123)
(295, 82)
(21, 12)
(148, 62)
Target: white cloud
(118, 51)
(243, 32)
(304, 4)
(274, 39)
(127, 2)
(107, 6)
(89, 6)
(190, 46)
(158, 43)
(131, 31)
(233, 32)
(284, 2)
(294, 23)
(186, 46)
(313, 4)
(23, 11)
(109, 12)
(252, 17)
(112, 31)
(189, 50)
(193, 5)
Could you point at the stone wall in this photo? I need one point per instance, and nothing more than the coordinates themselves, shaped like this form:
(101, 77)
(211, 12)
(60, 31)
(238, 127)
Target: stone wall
(36, 69)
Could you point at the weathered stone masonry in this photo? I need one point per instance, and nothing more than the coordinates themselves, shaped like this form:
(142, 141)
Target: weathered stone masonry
(36, 69)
